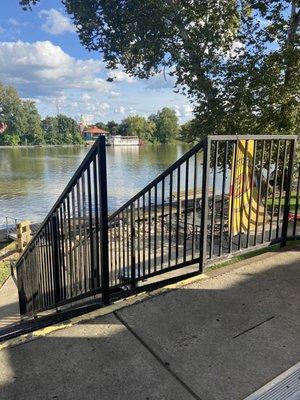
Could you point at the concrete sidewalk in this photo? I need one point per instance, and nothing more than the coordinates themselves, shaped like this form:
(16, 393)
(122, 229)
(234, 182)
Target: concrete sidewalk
(9, 304)
(222, 338)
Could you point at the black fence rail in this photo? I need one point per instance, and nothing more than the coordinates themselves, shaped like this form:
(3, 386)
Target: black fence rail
(65, 260)
(226, 195)
(253, 193)
(159, 230)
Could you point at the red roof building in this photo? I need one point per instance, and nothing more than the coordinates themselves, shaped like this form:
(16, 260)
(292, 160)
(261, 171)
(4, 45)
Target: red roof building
(93, 132)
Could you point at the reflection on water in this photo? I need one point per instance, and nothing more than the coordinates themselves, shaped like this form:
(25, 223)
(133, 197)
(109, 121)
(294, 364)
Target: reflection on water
(31, 179)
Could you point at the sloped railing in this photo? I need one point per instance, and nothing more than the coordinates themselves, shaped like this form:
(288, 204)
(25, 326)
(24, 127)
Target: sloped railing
(158, 230)
(65, 259)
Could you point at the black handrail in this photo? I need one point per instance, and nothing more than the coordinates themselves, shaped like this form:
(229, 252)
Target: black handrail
(159, 178)
(66, 191)
(67, 259)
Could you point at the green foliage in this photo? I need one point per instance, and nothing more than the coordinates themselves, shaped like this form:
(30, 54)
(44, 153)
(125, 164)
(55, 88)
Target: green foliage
(4, 271)
(161, 127)
(10, 139)
(101, 125)
(24, 125)
(166, 123)
(12, 114)
(50, 128)
(33, 132)
(22, 119)
(68, 131)
(112, 127)
(238, 60)
(137, 126)
(190, 131)
(61, 130)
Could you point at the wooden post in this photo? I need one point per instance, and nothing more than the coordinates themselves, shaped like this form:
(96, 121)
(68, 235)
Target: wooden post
(23, 235)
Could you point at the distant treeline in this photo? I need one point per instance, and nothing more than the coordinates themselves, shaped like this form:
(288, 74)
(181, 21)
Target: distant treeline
(161, 127)
(20, 123)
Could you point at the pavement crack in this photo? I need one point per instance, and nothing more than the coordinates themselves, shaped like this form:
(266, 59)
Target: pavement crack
(165, 364)
(253, 327)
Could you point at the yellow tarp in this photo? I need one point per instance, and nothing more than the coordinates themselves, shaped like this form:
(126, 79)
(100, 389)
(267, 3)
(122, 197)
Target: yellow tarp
(240, 191)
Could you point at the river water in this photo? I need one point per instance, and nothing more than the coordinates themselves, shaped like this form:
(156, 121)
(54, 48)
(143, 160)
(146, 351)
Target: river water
(31, 179)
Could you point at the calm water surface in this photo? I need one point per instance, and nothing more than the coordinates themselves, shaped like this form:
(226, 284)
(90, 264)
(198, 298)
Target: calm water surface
(31, 179)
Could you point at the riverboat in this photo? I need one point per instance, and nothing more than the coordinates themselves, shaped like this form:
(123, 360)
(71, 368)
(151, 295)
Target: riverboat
(118, 140)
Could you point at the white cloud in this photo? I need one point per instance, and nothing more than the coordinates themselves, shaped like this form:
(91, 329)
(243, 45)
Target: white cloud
(120, 110)
(237, 49)
(36, 101)
(103, 108)
(41, 68)
(187, 110)
(184, 111)
(114, 94)
(86, 97)
(55, 22)
(177, 110)
(120, 76)
(132, 110)
(15, 22)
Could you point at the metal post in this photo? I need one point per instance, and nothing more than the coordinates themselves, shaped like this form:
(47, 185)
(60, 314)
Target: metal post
(204, 203)
(132, 247)
(104, 256)
(56, 258)
(288, 191)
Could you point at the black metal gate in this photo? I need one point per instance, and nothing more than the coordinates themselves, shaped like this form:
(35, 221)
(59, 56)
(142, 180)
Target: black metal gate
(226, 195)
(67, 258)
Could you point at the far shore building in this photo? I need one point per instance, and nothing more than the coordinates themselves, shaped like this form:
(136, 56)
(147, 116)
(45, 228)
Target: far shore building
(93, 132)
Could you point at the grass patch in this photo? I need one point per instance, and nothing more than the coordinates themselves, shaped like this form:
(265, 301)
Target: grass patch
(4, 271)
(293, 201)
(242, 257)
(7, 250)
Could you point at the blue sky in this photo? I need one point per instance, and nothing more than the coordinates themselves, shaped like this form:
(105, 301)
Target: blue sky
(41, 55)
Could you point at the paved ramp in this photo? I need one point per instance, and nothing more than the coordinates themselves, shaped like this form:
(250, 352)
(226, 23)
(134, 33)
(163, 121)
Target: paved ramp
(9, 304)
(221, 338)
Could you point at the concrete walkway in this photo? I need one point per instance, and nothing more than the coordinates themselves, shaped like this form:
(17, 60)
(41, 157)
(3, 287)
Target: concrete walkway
(9, 304)
(222, 337)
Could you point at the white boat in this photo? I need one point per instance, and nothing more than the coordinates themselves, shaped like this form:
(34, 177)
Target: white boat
(119, 140)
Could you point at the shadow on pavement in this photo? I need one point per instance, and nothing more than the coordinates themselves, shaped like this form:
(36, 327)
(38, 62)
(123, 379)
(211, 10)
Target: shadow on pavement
(220, 338)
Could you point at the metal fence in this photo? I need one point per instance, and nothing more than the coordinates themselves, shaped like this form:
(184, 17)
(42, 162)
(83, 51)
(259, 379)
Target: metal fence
(253, 193)
(66, 259)
(226, 195)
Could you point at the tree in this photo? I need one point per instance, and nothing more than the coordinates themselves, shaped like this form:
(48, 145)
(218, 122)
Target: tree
(238, 61)
(11, 115)
(101, 125)
(166, 123)
(49, 125)
(190, 131)
(33, 132)
(138, 126)
(61, 130)
(112, 127)
(68, 131)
